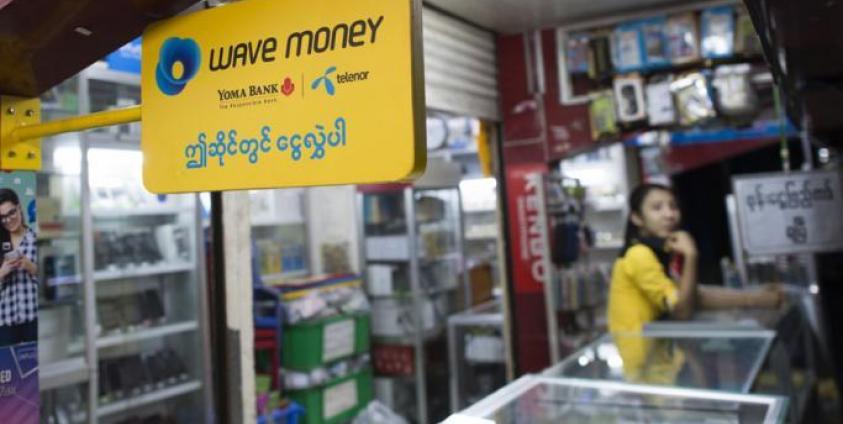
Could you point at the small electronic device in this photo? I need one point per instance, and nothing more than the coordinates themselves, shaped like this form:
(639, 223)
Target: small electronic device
(629, 98)
(12, 256)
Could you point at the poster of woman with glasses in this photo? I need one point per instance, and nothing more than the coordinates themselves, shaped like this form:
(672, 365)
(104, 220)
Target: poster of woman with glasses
(19, 396)
(18, 273)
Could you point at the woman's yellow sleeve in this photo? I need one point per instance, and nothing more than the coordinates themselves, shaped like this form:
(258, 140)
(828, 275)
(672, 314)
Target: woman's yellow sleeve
(648, 274)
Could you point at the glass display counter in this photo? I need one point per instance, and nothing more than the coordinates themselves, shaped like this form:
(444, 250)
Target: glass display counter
(725, 361)
(791, 368)
(538, 400)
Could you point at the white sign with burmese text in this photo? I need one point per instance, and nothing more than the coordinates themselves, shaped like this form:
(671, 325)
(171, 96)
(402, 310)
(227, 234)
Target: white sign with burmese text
(795, 212)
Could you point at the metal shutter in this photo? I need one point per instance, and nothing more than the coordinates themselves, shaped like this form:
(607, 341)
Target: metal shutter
(460, 67)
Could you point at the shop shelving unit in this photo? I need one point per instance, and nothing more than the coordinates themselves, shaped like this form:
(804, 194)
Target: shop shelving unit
(570, 289)
(104, 241)
(413, 255)
(476, 353)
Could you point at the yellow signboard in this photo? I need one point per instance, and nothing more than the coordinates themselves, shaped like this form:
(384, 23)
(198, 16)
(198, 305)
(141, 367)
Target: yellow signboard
(269, 93)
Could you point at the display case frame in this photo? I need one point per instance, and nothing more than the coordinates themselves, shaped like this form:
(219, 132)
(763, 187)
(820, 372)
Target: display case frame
(411, 256)
(83, 370)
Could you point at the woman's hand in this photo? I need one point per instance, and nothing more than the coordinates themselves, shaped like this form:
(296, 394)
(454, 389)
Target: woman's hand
(770, 296)
(8, 267)
(27, 265)
(682, 243)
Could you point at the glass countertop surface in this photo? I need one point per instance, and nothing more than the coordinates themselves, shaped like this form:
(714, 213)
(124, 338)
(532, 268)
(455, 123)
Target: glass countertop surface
(726, 363)
(548, 402)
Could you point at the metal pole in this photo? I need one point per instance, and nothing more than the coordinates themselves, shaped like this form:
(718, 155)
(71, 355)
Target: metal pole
(549, 270)
(85, 121)
(418, 307)
(807, 153)
(217, 312)
(468, 299)
(89, 291)
(784, 151)
(204, 313)
(453, 359)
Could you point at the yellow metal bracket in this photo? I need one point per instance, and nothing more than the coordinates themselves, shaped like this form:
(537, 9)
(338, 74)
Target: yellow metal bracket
(16, 154)
(21, 129)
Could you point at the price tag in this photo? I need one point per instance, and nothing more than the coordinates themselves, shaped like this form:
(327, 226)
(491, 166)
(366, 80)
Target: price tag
(339, 399)
(338, 340)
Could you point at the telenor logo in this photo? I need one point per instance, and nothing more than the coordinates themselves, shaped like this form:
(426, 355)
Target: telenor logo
(326, 81)
(178, 62)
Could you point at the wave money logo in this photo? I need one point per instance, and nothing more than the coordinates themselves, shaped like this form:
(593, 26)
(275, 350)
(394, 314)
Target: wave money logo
(326, 81)
(178, 62)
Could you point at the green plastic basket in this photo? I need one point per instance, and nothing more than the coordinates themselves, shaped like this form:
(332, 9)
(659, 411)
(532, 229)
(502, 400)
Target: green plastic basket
(336, 402)
(311, 344)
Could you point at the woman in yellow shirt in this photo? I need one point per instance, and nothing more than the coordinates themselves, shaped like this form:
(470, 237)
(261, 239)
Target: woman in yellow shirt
(656, 274)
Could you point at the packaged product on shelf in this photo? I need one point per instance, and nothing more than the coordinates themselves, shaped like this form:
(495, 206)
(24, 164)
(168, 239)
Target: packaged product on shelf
(380, 279)
(484, 348)
(323, 304)
(436, 243)
(308, 307)
(734, 93)
(718, 32)
(693, 100)
(601, 114)
(174, 242)
(660, 107)
(293, 258)
(302, 380)
(133, 374)
(394, 317)
(430, 209)
(335, 258)
(629, 96)
(600, 55)
(128, 311)
(628, 48)
(270, 257)
(576, 53)
(655, 42)
(438, 275)
(115, 249)
(682, 38)
(388, 247)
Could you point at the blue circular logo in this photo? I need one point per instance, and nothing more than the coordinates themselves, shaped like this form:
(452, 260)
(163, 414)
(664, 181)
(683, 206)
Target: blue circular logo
(177, 50)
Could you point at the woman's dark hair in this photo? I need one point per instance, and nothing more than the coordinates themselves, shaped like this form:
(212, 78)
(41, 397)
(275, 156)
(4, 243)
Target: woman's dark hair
(9, 195)
(636, 203)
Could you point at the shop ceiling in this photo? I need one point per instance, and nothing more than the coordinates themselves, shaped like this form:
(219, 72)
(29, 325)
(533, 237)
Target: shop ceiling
(513, 16)
(802, 42)
(44, 42)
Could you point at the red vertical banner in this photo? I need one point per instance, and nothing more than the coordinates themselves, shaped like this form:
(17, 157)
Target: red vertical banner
(525, 248)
